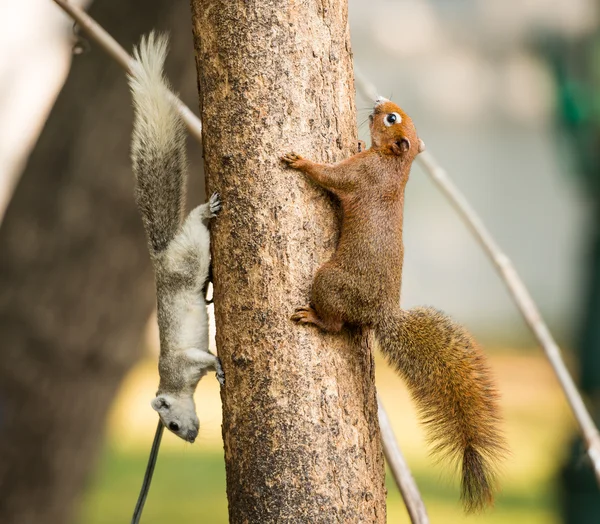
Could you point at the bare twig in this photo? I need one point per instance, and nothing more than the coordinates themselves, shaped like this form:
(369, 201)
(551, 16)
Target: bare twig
(396, 462)
(139, 507)
(515, 285)
(111, 46)
(400, 471)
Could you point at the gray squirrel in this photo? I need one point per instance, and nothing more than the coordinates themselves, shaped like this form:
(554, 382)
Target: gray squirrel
(179, 248)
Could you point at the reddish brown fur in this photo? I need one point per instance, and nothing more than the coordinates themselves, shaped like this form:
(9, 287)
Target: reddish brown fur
(449, 379)
(360, 286)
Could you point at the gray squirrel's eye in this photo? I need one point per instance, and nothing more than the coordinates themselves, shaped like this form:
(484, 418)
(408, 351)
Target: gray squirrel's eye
(173, 426)
(391, 119)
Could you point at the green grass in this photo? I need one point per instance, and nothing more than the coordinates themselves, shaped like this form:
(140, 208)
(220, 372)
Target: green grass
(187, 487)
(190, 487)
(533, 506)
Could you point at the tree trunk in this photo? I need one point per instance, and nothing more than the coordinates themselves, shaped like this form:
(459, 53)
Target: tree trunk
(76, 284)
(301, 435)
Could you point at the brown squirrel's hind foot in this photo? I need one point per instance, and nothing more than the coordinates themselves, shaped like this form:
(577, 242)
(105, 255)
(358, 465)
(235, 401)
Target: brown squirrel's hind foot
(307, 315)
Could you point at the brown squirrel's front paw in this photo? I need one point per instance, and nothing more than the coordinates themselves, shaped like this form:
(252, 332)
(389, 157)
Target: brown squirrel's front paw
(292, 159)
(361, 146)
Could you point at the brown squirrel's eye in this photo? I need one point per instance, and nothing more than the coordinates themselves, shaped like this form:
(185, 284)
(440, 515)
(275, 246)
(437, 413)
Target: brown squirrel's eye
(391, 119)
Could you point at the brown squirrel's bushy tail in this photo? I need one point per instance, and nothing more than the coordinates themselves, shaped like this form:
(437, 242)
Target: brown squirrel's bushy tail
(450, 381)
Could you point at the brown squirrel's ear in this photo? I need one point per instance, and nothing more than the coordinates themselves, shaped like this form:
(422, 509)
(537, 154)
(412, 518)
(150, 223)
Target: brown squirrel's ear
(421, 146)
(400, 146)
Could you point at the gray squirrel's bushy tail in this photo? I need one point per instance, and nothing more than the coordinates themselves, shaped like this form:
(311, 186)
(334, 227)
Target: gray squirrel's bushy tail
(448, 377)
(158, 144)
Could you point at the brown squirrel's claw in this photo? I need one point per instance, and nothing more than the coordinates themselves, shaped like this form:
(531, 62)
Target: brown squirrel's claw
(361, 146)
(304, 315)
(291, 159)
(307, 315)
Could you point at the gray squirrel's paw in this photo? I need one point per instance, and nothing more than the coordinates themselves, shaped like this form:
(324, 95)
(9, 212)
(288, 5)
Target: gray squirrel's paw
(214, 204)
(219, 373)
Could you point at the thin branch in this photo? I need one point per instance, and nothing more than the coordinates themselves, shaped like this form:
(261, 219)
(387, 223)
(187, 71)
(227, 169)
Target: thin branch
(396, 462)
(515, 285)
(400, 471)
(112, 48)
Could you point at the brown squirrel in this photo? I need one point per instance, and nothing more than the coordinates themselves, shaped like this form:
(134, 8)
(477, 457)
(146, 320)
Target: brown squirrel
(442, 365)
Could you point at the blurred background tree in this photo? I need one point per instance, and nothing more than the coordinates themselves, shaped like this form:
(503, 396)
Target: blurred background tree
(75, 281)
(576, 66)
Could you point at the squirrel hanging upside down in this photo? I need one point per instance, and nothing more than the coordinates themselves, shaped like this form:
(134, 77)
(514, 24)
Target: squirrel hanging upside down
(179, 248)
(442, 365)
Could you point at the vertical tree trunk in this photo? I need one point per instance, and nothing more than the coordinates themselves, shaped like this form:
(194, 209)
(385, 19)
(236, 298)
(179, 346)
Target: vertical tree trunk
(76, 284)
(300, 427)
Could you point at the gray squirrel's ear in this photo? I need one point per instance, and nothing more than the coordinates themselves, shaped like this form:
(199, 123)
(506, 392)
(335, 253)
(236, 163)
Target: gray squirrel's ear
(160, 404)
(421, 146)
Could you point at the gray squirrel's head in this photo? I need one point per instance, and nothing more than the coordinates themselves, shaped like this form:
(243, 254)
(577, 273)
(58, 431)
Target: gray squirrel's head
(178, 414)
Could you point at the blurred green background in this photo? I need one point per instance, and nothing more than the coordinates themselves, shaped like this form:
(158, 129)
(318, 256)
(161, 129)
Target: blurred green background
(189, 480)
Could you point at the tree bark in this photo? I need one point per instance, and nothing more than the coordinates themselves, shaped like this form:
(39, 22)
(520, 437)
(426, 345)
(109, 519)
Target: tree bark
(76, 284)
(300, 428)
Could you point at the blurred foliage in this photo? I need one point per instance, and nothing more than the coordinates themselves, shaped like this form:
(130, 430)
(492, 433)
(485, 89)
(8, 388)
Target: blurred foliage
(186, 488)
(576, 66)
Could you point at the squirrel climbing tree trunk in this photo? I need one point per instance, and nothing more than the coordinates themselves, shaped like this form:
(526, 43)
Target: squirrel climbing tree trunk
(300, 428)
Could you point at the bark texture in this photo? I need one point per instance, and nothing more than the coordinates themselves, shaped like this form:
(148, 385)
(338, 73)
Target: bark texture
(76, 284)
(300, 428)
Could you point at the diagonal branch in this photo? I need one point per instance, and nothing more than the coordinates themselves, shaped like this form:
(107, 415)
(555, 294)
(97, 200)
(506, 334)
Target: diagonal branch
(396, 462)
(400, 471)
(112, 48)
(515, 285)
